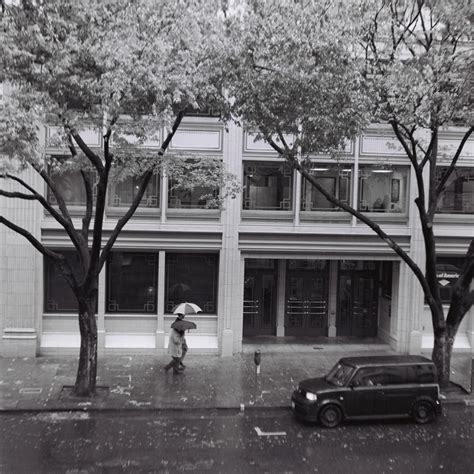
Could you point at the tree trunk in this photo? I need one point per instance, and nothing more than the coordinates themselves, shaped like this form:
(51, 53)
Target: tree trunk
(87, 369)
(441, 355)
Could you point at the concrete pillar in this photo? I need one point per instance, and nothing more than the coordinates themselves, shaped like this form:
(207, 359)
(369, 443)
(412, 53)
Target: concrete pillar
(281, 299)
(332, 300)
(160, 318)
(101, 334)
(20, 293)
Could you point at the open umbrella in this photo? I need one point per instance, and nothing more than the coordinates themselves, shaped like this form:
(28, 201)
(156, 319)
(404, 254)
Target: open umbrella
(183, 325)
(186, 308)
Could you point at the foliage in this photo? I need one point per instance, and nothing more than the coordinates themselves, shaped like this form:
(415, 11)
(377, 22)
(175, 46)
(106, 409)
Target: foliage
(128, 70)
(309, 75)
(293, 78)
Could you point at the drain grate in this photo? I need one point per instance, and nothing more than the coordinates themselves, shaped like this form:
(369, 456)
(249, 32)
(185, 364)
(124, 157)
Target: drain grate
(30, 391)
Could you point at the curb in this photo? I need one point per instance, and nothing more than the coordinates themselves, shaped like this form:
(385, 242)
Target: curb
(143, 409)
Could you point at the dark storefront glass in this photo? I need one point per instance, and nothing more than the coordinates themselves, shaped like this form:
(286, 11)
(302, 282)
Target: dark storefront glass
(131, 282)
(192, 278)
(58, 296)
(448, 270)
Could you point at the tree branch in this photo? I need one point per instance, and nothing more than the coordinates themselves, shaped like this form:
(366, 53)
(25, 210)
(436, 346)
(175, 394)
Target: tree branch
(93, 158)
(86, 220)
(67, 225)
(452, 166)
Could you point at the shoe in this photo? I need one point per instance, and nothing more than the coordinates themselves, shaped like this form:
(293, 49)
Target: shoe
(182, 365)
(166, 368)
(178, 371)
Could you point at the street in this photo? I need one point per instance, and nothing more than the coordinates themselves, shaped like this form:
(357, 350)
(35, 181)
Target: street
(228, 441)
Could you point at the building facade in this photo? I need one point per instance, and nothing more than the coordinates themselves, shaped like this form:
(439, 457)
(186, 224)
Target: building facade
(279, 260)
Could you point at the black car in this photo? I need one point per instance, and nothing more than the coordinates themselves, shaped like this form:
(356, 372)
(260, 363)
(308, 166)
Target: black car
(370, 387)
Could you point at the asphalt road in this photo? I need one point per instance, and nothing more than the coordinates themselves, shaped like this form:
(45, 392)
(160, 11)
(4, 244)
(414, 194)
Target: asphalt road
(255, 441)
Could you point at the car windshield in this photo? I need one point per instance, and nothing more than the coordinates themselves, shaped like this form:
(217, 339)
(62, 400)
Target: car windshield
(340, 374)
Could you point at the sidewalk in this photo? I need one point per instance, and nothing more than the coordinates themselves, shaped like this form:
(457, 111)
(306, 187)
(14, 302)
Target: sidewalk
(139, 382)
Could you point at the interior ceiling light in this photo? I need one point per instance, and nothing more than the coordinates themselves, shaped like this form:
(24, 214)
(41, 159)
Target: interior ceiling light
(382, 170)
(319, 169)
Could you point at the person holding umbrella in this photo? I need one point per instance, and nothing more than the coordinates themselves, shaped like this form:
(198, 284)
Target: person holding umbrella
(184, 345)
(175, 350)
(179, 326)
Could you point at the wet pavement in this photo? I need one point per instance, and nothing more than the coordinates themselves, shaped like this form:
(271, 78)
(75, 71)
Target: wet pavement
(221, 441)
(209, 381)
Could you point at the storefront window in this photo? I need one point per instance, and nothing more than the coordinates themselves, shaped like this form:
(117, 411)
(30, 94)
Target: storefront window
(383, 189)
(268, 186)
(458, 197)
(448, 270)
(191, 277)
(335, 180)
(58, 296)
(122, 193)
(131, 282)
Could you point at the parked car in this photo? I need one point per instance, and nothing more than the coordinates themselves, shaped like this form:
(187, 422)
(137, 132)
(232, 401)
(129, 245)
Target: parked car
(370, 387)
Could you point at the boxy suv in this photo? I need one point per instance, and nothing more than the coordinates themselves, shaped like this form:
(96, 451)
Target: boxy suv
(370, 387)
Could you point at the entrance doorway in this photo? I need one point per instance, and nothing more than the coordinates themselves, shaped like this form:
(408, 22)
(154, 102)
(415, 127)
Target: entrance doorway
(357, 298)
(260, 297)
(306, 298)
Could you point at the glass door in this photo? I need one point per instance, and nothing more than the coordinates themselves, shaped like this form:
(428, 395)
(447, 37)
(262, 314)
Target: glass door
(306, 298)
(259, 299)
(357, 299)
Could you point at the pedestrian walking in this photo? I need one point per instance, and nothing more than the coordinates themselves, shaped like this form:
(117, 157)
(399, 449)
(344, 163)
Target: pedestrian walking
(184, 346)
(175, 349)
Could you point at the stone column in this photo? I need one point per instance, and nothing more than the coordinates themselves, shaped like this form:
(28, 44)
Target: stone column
(160, 320)
(281, 298)
(332, 303)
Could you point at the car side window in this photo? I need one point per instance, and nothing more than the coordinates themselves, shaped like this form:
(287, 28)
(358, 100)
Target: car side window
(425, 374)
(368, 377)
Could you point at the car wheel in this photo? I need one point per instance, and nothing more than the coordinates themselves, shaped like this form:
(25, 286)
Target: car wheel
(423, 412)
(330, 416)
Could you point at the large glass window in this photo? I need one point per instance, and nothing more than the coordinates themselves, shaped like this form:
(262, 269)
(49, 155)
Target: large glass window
(335, 180)
(196, 198)
(58, 296)
(70, 186)
(268, 186)
(458, 197)
(383, 189)
(123, 192)
(192, 277)
(131, 282)
(448, 270)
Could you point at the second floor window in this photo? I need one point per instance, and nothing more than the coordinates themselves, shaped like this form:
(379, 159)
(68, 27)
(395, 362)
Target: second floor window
(70, 185)
(196, 198)
(383, 189)
(458, 197)
(268, 186)
(123, 192)
(335, 180)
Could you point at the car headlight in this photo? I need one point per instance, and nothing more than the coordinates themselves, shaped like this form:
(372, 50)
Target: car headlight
(311, 396)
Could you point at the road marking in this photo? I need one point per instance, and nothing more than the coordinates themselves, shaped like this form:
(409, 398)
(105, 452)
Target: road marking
(269, 433)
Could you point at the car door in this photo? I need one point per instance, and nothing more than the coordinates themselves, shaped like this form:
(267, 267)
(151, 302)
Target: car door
(362, 399)
(399, 390)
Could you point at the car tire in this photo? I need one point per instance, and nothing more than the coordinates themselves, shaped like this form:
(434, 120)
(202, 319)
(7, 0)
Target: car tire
(423, 412)
(330, 416)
